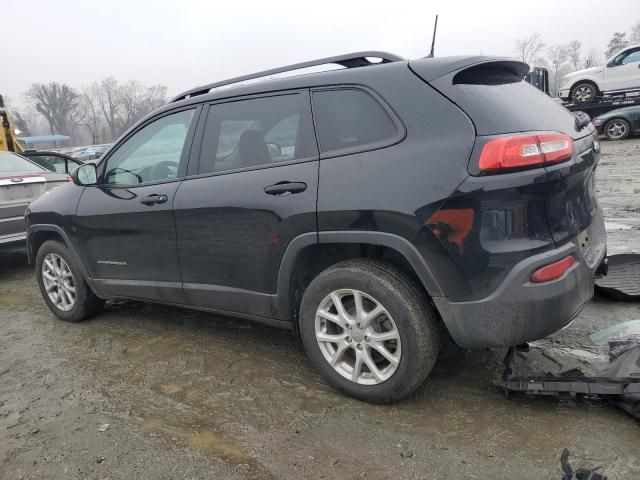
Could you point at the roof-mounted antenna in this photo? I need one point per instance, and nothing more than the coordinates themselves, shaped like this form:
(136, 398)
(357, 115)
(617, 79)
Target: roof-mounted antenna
(433, 41)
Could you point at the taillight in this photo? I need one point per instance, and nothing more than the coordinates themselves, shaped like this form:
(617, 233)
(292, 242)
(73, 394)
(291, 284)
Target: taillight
(69, 179)
(553, 271)
(527, 150)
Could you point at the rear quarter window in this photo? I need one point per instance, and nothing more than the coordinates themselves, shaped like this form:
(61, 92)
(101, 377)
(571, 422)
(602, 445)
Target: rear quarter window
(349, 120)
(500, 101)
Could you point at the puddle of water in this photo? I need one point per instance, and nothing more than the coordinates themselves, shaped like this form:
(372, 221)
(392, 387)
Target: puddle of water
(204, 440)
(171, 388)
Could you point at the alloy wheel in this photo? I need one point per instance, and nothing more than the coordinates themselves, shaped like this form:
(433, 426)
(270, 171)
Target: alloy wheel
(59, 282)
(358, 337)
(584, 93)
(616, 130)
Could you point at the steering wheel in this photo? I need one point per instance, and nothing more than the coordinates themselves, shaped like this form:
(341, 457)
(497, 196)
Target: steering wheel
(163, 170)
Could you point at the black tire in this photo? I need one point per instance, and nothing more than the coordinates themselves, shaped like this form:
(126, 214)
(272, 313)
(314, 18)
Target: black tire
(578, 89)
(86, 302)
(622, 131)
(415, 320)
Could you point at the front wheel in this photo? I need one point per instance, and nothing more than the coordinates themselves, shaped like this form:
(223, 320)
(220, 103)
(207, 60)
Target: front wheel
(617, 129)
(584, 92)
(63, 288)
(369, 330)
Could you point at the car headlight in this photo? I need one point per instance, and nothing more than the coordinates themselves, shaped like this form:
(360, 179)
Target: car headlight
(597, 121)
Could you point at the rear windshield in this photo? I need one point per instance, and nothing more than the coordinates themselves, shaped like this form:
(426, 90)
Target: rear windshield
(10, 163)
(498, 104)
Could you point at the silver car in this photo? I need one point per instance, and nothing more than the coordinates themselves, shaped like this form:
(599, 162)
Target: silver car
(21, 181)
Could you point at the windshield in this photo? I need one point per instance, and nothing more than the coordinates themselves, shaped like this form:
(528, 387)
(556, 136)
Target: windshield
(11, 163)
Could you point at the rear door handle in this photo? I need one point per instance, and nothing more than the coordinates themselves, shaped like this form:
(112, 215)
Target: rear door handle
(285, 188)
(154, 199)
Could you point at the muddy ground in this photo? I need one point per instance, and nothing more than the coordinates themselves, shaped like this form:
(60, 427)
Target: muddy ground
(151, 392)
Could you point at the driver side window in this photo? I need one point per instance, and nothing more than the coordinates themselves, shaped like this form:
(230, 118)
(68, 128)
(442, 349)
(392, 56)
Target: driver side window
(633, 56)
(152, 154)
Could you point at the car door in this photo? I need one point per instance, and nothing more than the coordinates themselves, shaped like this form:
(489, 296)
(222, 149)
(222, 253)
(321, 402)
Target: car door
(125, 223)
(623, 72)
(251, 191)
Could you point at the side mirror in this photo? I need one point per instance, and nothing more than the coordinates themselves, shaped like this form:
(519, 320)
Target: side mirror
(274, 149)
(86, 174)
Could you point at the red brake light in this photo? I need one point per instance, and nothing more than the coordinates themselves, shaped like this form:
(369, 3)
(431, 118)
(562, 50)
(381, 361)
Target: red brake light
(69, 179)
(552, 271)
(516, 151)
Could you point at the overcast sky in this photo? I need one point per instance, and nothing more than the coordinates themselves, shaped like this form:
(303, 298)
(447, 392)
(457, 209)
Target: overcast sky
(186, 43)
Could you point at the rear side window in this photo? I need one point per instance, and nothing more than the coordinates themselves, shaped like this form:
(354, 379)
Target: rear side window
(50, 162)
(349, 120)
(498, 101)
(256, 132)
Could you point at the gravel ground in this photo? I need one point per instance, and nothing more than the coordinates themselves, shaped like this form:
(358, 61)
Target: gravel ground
(144, 391)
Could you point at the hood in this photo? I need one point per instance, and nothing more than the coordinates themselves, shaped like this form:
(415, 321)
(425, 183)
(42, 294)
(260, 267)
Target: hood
(585, 71)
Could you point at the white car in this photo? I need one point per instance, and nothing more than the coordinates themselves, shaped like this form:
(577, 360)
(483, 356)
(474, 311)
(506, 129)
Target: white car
(622, 72)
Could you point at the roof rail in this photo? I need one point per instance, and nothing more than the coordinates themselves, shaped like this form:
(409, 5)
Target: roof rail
(348, 60)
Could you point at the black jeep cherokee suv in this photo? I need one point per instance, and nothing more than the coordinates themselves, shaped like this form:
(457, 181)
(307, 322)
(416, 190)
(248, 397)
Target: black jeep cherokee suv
(362, 206)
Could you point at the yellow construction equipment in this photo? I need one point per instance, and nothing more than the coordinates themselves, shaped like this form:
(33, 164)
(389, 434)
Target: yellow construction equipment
(8, 140)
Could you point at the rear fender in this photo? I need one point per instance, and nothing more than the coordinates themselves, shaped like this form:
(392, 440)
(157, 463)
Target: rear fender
(283, 299)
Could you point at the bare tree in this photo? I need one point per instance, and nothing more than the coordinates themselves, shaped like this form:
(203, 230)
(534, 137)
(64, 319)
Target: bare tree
(138, 100)
(529, 48)
(57, 103)
(573, 53)
(92, 112)
(635, 33)
(110, 102)
(557, 56)
(592, 59)
(618, 42)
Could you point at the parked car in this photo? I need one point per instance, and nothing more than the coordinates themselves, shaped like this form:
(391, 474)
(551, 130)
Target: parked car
(52, 161)
(361, 207)
(619, 124)
(620, 73)
(21, 181)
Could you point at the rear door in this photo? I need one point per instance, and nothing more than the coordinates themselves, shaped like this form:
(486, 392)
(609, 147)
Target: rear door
(125, 223)
(252, 189)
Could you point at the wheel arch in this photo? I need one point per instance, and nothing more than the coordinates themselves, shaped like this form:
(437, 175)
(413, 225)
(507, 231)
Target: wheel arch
(309, 254)
(37, 235)
(590, 80)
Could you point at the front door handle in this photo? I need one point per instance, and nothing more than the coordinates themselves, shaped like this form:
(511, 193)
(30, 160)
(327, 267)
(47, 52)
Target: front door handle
(285, 188)
(154, 199)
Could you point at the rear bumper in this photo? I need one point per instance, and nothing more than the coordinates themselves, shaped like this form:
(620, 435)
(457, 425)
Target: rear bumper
(520, 311)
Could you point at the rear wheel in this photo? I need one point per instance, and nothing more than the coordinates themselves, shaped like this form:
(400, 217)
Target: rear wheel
(617, 129)
(62, 286)
(584, 92)
(369, 330)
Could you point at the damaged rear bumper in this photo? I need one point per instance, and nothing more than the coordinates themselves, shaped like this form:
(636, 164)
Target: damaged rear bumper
(518, 310)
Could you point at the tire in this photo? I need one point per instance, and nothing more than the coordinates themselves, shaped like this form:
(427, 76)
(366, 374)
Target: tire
(402, 305)
(617, 129)
(584, 92)
(85, 303)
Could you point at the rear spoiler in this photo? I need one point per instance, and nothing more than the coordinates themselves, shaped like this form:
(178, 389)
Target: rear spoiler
(431, 69)
(442, 73)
